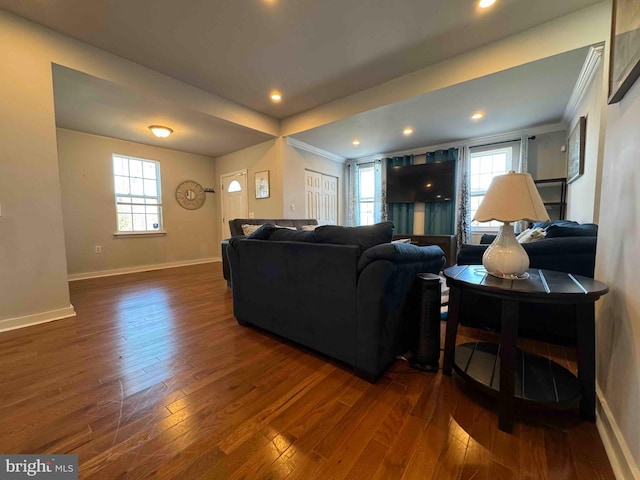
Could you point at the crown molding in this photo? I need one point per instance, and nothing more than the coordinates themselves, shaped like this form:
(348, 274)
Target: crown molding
(514, 135)
(315, 150)
(587, 74)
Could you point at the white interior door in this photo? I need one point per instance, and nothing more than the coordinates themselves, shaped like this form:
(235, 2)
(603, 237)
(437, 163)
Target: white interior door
(321, 197)
(329, 206)
(234, 199)
(312, 191)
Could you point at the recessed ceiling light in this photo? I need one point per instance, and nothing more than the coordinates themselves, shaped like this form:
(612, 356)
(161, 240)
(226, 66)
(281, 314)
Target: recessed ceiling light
(407, 131)
(428, 185)
(477, 116)
(486, 3)
(356, 142)
(160, 131)
(276, 97)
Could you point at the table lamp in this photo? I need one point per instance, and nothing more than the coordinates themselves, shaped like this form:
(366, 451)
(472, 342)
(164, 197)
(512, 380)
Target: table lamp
(510, 198)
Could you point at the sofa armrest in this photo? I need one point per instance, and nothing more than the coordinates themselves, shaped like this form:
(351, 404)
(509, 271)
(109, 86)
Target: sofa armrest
(431, 256)
(385, 283)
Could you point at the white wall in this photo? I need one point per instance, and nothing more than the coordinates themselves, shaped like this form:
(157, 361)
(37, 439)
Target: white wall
(86, 175)
(581, 193)
(618, 264)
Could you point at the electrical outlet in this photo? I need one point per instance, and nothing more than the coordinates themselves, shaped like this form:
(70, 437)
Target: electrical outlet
(98, 249)
(293, 207)
(252, 214)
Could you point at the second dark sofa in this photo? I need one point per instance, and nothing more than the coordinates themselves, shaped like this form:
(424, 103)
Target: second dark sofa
(569, 247)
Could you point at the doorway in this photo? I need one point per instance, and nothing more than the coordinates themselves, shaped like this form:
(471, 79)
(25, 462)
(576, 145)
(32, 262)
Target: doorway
(234, 198)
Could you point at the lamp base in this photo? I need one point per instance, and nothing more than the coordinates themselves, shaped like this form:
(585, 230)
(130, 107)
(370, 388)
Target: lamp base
(505, 257)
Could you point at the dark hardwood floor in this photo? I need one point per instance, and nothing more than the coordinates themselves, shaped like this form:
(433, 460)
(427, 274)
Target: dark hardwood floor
(154, 378)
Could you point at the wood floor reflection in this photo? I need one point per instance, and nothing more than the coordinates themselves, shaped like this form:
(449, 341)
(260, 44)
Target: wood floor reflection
(154, 378)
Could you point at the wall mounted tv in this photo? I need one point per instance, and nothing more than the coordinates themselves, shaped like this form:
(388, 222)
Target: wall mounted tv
(430, 182)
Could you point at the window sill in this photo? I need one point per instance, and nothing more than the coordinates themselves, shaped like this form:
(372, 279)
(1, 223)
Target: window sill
(139, 234)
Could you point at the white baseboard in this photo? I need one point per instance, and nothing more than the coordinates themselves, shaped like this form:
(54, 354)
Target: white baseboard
(36, 318)
(622, 462)
(72, 277)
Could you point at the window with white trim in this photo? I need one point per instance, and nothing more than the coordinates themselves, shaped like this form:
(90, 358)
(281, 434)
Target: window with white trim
(366, 194)
(137, 194)
(485, 165)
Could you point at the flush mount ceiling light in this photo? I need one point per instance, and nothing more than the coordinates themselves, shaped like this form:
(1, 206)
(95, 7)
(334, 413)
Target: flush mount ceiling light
(477, 116)
(160, 131)
(407, 131)
(276, 97)
(486, 3)
(356, 142)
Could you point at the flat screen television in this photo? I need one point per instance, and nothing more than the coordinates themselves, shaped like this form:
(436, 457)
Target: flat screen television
(430, 182)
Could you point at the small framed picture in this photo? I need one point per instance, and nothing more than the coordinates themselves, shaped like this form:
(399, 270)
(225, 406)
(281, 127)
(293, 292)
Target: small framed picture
(575, 150)
(262, 184)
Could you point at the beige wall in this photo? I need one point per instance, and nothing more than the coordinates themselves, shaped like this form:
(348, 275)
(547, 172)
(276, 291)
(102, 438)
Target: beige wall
(546, 159)
(296, 161)
(33, 270)
(265, 156)
(86, 175)
(33, 277)
(618, 264)
(286, 166)
(581, 193)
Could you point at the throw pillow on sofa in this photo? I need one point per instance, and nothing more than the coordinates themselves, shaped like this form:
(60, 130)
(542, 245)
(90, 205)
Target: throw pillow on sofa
(584, 230)
(269, 231)
(248, 228)
(365, 237)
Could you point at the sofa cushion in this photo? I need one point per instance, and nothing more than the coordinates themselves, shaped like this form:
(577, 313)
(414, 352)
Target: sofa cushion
(584, 230)
(559, 223)
(364, 237)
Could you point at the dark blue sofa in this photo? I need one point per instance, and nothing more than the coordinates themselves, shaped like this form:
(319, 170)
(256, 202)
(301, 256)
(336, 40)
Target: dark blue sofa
(334, 290)
(568, 247)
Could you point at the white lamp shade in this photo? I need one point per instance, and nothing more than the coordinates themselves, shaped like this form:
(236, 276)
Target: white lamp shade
(510, 198)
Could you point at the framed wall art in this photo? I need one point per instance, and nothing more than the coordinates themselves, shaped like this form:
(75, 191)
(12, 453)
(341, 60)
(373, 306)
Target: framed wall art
(262, 184)
(575, 150)
(624, 57)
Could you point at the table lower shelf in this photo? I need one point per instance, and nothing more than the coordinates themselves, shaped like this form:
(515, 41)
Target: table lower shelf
(538, 380)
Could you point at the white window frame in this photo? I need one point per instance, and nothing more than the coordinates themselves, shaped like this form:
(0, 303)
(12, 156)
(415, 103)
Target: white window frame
(489, 227)
(366, 200)
(131, 200)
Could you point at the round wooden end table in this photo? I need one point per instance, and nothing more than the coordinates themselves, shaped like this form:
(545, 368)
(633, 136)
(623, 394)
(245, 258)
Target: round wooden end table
(512, 374)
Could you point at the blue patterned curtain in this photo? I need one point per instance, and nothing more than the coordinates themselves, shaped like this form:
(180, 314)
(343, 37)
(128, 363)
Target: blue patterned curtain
(353, 212)
(378, 209)
(439, 217)
(463, 224)
(401, 214)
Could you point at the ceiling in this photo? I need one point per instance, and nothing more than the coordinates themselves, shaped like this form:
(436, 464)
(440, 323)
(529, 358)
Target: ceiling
(92, 105)
(312, 51)
(523, 97)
